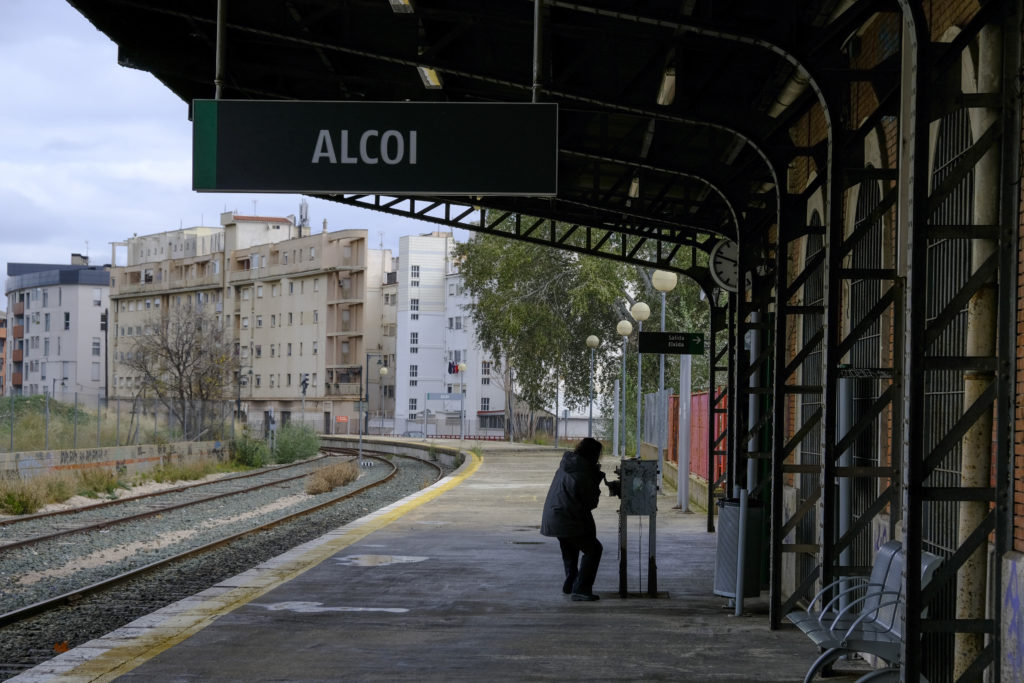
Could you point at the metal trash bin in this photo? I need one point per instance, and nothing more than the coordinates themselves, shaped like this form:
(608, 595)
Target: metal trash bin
(727, 548)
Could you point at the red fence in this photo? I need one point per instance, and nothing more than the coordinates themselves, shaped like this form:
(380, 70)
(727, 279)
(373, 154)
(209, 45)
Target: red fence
(698, 434)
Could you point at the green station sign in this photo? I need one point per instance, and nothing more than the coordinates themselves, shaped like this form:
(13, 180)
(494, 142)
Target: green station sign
(405, 148)
(679, 343)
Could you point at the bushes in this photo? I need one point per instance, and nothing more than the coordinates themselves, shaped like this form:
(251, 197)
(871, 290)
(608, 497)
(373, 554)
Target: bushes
(249, 451)
(296, 442)
(329, 478)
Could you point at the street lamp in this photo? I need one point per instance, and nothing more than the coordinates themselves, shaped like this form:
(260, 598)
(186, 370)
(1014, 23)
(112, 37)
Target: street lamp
(462, 400)
(624, 328)
(640, 312)
(383, 374)
(238, 400)
(592, 342)
(664, 282)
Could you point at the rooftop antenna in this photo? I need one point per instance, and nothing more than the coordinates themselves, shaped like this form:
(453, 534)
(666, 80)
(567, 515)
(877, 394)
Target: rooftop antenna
(304, 214)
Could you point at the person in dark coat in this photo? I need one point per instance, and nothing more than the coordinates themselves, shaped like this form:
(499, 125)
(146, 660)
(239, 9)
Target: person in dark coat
(567, 516)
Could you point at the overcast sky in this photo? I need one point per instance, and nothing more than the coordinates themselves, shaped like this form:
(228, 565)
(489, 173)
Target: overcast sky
(92, 152)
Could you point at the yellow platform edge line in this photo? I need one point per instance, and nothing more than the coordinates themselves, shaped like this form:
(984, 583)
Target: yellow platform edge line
(119, 660)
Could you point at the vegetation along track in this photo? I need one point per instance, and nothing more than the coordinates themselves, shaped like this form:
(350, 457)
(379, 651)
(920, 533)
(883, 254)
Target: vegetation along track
(68, 589)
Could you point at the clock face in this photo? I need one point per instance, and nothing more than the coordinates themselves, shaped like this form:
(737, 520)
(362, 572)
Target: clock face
(724, 265)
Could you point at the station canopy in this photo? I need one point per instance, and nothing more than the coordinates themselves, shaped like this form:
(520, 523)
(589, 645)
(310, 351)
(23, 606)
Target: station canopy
(669, 111)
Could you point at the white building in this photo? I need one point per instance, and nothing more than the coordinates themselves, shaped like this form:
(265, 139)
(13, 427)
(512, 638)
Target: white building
(435, 335)
(57, 341)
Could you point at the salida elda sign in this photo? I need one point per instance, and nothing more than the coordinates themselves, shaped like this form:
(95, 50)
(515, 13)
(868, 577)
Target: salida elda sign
(404, 148)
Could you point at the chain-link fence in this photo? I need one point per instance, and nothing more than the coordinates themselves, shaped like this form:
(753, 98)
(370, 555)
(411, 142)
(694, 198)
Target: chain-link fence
(70, 420)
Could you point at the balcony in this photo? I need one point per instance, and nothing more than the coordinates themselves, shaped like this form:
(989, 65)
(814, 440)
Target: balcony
(17, 355)
(343, 389)
(16, 379)
(18, 331)
(18, 308)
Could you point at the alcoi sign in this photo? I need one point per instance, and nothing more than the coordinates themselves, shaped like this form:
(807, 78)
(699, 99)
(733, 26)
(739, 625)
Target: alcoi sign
(404, 148)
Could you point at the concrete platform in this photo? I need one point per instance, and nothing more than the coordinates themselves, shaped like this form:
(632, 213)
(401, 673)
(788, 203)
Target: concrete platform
(456, 584)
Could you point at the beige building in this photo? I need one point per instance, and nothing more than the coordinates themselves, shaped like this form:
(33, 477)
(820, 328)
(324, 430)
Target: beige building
(297, 305)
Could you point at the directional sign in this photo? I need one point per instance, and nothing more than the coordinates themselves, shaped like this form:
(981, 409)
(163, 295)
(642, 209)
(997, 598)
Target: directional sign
(444, 397)
(408, 148)
(681, 343)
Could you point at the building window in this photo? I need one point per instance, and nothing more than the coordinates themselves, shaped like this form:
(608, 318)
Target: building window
(485, 368)
(414, 371)
(485, 403)
(259, 321)
(314, 348)
(46, 322)
(245, 294)
(451, 323)
(289, 318)
(259, 351)
(95, 346)
(67, 321)
(316, 285)
(289, 348)
(95, 372)
(414, 338)
(259, 292)
(412, 405)
(291, 287)
(485, 380)
(245, 323)
(273, 320)
(414, 304)
(259, 380)
(458, 322)
(96, 297)
(316, 317)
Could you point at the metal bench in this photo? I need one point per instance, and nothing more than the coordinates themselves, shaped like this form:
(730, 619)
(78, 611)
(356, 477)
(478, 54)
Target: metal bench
(863, 615)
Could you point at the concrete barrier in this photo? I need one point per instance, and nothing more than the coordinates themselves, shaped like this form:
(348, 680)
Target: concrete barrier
(128, 460)
(447, 454)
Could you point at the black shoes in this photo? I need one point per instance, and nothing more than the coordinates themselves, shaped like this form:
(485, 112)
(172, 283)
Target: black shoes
(584, 597)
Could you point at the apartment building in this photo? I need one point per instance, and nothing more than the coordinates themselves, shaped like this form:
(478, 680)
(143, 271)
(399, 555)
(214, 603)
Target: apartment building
(298, 306)
(57, 341)
(435, 335)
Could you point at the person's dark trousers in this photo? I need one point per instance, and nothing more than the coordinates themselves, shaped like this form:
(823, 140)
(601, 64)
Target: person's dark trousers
(580, 580)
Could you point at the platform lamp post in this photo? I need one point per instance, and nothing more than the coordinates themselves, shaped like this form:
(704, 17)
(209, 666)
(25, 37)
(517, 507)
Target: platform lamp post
(624, 328)
(640, 312)
(592, 342)
(664, 282)
(383, 374)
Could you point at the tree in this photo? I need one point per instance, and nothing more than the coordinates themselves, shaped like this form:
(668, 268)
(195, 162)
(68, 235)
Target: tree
(534, 307)
(185, 360)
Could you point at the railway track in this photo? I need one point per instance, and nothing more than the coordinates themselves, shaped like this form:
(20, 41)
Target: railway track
(83, 536)
(26, 530)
